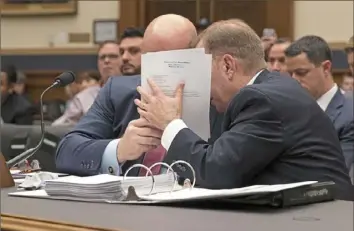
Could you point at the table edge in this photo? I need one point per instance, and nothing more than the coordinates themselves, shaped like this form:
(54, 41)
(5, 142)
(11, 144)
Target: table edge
(20, 223)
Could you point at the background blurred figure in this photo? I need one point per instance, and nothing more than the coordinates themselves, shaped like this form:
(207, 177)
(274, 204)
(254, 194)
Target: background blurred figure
(202, 24)
(276, 55)
(72, 89)
(88, 86)
(350, 54)
(15, 108)
(268, 37)
(347, 82)
(20, 85)
(130, 51)
(108, 61)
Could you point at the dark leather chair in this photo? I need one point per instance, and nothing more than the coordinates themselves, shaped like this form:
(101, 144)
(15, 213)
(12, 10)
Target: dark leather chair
(16, 139)
(12, 138)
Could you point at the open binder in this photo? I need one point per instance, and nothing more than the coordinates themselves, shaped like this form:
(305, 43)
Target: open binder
(164, 189)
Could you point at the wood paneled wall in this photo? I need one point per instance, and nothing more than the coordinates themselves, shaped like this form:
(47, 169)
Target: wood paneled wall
(38, 81)
(277, 14)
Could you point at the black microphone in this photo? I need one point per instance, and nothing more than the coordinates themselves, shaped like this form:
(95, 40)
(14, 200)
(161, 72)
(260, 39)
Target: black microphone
(61, 81)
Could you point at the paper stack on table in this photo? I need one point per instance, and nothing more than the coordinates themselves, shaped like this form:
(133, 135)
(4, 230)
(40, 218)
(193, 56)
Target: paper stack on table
(107, 187)
(168, 68)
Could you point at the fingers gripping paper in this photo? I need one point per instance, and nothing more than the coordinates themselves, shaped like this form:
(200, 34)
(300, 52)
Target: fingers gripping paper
(168, 68)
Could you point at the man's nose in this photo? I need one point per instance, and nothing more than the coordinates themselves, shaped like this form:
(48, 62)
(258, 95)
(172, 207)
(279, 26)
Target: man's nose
(126, 56)
(106, 60)
(276, 66)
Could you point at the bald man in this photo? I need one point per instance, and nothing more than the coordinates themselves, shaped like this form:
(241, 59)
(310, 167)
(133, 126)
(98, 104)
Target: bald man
(110, 137)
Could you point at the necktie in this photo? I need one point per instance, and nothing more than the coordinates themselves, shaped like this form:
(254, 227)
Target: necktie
(152, 157)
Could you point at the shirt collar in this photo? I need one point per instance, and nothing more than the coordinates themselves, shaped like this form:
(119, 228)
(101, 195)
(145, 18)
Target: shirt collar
(326, 98)
(254, 78)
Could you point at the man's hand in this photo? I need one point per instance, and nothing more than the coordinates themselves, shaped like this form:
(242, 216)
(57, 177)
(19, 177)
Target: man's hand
(157, 108)
(138, 138)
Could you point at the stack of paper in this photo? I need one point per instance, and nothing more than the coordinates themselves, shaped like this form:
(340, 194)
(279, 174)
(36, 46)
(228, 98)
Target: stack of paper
(107, 187)
(192, 66)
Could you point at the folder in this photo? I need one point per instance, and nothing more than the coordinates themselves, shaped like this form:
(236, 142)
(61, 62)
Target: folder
(164, 189)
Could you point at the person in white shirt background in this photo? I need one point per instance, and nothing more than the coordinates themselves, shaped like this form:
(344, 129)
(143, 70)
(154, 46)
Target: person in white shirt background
(309, 60)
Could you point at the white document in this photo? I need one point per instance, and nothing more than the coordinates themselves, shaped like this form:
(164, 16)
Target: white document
(193, 66)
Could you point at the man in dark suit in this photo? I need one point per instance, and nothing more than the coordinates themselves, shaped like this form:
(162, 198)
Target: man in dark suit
(309, 60)
(274, 132)
(110, 137)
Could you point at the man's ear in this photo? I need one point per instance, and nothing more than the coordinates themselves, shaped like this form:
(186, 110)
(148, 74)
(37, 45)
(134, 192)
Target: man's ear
(229, 65)
(327, 67)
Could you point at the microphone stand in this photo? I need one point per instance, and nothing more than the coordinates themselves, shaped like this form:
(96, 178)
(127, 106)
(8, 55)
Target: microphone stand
(30, 152)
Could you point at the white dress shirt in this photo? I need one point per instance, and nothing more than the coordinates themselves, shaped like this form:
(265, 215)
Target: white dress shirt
(177, 125)
(326, 98)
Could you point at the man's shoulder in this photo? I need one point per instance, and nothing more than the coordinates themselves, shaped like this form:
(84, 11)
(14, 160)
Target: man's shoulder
(122, 85)
(274, 83)
(125, 81)
(21, 100)
(348, 107)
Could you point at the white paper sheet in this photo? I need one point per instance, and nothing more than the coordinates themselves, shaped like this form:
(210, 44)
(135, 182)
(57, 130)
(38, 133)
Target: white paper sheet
(193, 66)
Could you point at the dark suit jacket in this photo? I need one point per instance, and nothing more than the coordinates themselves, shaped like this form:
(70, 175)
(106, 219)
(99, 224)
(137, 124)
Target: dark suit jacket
(340, 111)
(16, 109)
(80, 151)
(274, 133)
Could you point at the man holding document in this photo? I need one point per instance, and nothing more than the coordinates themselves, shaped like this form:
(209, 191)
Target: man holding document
(111, 137)
(274, 132)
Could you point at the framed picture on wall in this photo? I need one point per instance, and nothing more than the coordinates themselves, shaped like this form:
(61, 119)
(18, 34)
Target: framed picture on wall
(38, 7)
(105, 30)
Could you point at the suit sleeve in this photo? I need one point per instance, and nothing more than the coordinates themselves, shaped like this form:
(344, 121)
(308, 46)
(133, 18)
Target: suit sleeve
(253, 139)
(346, 138)
(80, 152)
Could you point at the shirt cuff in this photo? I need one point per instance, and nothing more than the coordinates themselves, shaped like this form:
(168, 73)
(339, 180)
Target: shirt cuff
(171, 131)
(109, 164)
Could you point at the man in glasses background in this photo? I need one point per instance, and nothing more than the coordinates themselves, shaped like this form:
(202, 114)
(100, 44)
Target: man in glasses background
(123, 58)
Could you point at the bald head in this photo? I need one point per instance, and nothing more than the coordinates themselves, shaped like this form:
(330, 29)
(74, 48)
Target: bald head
(168, 32)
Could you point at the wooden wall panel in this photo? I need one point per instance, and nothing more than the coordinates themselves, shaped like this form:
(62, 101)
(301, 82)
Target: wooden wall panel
(130, 15)
(38, 81)
(276, 14)
(280, 15)
(252, 12)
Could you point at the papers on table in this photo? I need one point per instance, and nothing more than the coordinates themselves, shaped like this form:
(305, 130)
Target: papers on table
(193, 66)
(111, 189)
(108, 187)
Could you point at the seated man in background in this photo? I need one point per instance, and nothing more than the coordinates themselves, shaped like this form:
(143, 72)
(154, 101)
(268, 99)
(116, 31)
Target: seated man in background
(130, 51)
(276, 55)
(15, 108)
(347, 83)
(108, 60)
(349, 50)
(88, 84)
(274, 131)
(309, 60)
(107, 139)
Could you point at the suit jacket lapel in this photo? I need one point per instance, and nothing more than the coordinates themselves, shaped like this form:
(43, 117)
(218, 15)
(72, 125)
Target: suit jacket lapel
(336, 103)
